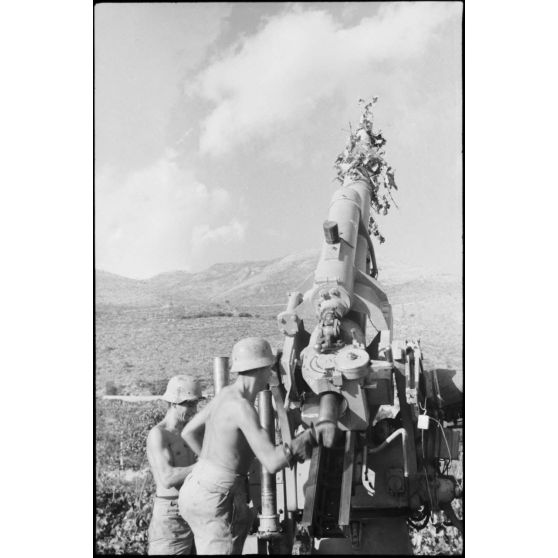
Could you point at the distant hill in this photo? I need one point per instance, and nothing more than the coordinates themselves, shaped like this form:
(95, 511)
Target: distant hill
(123, 291)
(254, 283)
(147, 330)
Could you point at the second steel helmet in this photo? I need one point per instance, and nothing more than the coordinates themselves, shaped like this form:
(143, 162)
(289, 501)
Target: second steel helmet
(251, 353)
(182, 388)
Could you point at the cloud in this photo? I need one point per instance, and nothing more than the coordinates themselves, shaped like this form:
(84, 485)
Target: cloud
(204, 235)
(139, 68)
(153, 219)
(274, 233)
(297, 60)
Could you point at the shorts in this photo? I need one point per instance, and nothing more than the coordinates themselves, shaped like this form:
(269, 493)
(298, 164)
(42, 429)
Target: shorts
(168, 533)
(213, 502)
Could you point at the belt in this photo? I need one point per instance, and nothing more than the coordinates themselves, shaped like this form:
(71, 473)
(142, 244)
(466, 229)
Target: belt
(167, 497)
(205, 465)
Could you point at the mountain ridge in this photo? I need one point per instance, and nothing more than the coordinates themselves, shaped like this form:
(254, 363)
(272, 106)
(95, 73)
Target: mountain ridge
(173, 322)
(248, 282)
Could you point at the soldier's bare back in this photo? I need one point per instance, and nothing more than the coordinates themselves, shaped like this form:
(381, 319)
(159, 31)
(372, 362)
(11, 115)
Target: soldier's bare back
(224, 443)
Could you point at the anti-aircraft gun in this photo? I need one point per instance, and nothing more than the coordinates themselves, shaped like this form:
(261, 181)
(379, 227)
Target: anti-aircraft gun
(383, 422)
(378, 414)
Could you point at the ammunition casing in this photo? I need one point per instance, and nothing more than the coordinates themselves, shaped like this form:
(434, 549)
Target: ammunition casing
(269, 520)
(220, 373)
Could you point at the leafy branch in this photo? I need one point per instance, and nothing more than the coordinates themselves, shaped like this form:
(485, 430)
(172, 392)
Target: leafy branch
(363, 159)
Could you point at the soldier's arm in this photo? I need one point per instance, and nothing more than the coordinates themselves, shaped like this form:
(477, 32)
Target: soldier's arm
(193, 432)
(160, 459)
(271, 457)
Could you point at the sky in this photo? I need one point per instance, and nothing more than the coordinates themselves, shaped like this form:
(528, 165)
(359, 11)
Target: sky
(217, 126)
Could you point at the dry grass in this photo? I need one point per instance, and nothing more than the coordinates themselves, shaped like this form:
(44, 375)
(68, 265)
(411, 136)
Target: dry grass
(136, 347)
(144, 344)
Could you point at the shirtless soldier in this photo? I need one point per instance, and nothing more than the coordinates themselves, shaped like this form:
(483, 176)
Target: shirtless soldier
(226, 434)
(171, 460)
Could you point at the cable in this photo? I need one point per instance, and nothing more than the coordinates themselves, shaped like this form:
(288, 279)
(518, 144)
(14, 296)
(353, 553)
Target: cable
(443, 434)
(428, 486)
(388, 440)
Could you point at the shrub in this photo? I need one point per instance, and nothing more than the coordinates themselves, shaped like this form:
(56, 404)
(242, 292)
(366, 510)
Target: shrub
(121, 432)
(123, 513)
(123, 509)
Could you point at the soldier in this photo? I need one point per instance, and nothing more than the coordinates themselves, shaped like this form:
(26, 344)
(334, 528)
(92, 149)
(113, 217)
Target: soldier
(171, 460)
(226, 434)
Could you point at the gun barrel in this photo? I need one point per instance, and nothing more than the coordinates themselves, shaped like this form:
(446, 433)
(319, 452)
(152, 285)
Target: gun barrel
(344, 248)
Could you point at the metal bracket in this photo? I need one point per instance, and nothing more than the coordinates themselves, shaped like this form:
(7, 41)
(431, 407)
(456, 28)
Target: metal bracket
(291, 503)
(356, 535)
(337, 378)
(347, 479)
(284, 424)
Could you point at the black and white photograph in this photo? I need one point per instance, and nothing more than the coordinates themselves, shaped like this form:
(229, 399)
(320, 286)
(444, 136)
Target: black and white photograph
(279, 278)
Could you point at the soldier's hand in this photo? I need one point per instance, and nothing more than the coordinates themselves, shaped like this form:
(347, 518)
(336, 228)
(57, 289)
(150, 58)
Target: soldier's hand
(303, 444)
(313, 435)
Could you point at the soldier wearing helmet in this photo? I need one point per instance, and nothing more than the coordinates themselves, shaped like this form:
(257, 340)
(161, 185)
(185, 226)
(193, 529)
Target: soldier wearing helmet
(226, 434)
(171, 460)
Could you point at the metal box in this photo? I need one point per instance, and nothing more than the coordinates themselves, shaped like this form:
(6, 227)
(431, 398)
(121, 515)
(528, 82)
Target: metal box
(379, 384)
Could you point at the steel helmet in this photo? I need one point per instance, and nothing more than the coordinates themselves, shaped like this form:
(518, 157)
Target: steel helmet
(182, 388)
(251, 353)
